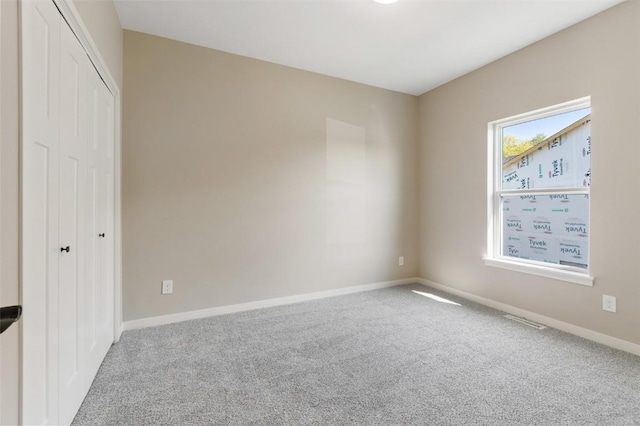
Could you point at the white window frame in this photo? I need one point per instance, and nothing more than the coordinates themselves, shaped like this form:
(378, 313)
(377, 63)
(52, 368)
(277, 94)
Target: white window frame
(494, 256)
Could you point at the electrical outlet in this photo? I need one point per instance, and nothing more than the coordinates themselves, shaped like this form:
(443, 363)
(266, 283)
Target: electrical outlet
(608, 303)
(401, 261)
(167, 286)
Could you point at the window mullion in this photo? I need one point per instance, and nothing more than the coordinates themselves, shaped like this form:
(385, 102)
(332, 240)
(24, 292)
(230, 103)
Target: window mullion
(545, 191)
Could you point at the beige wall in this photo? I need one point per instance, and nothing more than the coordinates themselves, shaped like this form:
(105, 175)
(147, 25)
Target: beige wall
(9, 291)
(244, 180)
(104, 27)
(101, 19)
(598, 57)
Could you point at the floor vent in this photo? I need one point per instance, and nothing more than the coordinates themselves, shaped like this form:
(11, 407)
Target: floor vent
(526, 322)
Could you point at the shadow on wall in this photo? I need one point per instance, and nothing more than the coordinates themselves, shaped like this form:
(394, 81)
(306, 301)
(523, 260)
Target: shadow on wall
(346, 183)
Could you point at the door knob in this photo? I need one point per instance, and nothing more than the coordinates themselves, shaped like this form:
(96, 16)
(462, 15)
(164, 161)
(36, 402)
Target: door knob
(101, 235)
(67, 248)
(9, 315)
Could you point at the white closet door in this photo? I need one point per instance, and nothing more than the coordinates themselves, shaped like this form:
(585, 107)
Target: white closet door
(107, 213)
(100, 213)
(93, 225)
(68, 217)
(73, 366)
(40, 248)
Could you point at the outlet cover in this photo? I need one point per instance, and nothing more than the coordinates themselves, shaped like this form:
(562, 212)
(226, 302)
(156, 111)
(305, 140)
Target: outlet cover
(608, 303)
(167, 286)
(401, 261)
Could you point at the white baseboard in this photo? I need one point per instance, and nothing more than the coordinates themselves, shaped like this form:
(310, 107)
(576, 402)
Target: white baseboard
(229, 309)
(585, 333)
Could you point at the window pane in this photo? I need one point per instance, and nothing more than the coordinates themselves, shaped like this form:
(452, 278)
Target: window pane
(546, 228)
(552, 152)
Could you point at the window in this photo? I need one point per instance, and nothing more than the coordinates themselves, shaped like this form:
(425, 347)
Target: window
(539, 180)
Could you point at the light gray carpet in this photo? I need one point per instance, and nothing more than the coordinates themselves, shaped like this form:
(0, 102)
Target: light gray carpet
(384, 357)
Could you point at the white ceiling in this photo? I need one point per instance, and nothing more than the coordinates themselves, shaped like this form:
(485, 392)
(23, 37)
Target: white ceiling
(411, 46)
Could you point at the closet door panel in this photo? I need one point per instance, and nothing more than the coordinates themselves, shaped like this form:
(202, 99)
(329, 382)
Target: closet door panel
(73, 165)
(105, 220)
(40, 246)
(100, 293)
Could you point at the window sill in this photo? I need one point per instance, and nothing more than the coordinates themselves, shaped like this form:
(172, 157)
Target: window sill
(541, 271)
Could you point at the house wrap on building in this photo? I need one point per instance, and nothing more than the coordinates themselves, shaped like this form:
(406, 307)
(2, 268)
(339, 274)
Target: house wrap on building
(549, 228)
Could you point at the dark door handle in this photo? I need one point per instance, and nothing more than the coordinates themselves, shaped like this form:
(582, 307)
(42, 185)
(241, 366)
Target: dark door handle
(101, 235)
(67, 248)
(9, 315)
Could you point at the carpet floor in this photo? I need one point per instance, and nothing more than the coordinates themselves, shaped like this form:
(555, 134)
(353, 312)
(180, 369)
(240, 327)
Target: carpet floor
(385, 357)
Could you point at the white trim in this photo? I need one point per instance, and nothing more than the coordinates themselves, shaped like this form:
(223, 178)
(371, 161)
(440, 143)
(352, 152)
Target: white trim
(541, 271)
(492, 234)
(229, 309)
(494, 192)
(594, 336)
(72, 16)
(580, 103)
